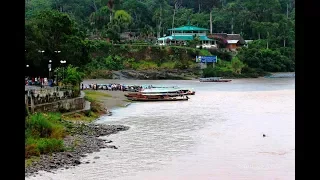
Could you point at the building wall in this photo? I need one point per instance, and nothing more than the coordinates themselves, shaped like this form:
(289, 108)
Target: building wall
(232, 46)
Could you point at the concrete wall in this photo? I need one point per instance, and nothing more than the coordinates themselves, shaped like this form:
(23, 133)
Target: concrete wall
(65, 105)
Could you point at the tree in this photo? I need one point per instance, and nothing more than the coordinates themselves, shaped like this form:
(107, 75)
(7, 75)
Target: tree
(113, 5)
(237, 65)
(50, 30)
(34, 6)
(182, 16)
(123, 18)
(73, 77)
(177, 5)
(140, 12)
(200, 19)
(99, 19)
(194, 42)
(159, 15)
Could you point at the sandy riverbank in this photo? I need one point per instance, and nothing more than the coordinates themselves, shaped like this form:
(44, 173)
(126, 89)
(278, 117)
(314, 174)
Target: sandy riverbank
(116, 99)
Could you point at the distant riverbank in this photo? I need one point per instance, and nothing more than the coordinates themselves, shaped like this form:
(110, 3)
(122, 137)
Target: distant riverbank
(282, 75)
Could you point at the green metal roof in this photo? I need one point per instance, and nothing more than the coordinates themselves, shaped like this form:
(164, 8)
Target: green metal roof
(184, 38)
(188, 28)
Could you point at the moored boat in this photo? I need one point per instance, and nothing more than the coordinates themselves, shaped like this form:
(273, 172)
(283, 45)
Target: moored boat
(184, 91)
(214, 79)
(159, 98)
(158, 94)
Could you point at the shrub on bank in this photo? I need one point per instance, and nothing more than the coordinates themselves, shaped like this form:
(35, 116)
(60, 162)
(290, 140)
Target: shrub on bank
(145, 65)
(98, 74)
(44, 134)
(205, 52)
(35, 147)
(168, 65)
(233, 69)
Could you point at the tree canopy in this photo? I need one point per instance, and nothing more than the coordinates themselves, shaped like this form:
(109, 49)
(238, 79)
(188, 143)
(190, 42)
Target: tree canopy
(66, 25)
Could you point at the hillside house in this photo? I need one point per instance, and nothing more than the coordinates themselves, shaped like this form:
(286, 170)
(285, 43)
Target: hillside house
(229, 41)
(181, 35)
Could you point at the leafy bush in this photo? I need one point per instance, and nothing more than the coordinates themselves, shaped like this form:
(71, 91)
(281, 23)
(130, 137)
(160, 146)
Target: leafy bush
(205, 52)
(43, 133)
(237, 65)
(99, 74)
(268, 59)
(227, 56)
(217, 72)
(44, 126)
(40, 126)
(145, 65)
(114, 62)
(168, 65)
(45, 145)
(31, 150)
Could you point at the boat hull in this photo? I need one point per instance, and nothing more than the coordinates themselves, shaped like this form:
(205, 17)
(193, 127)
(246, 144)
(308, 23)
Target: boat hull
(214, 79)
(221, 80)
(142, 99)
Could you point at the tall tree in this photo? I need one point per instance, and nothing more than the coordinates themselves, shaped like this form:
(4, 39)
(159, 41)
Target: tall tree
(123, 18)
(177, 5)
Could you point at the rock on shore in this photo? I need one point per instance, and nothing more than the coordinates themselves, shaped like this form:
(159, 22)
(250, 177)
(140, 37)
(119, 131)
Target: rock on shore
(83, 139)
(156, 74)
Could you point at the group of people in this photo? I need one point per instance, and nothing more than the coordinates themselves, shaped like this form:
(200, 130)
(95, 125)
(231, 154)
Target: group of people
(40, 81)
(110, 87)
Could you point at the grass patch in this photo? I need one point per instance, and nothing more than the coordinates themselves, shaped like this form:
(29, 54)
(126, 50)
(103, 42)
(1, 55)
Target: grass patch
(92, 95)
(145, 65)
(168, 65)
(96, 108)
(81, 116)
(44, 134)
(31, 160)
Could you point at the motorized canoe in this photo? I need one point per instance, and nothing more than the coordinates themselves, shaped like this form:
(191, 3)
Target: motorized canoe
(214, 79)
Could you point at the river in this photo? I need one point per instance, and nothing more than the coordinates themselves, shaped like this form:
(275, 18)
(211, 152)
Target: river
(217, 134)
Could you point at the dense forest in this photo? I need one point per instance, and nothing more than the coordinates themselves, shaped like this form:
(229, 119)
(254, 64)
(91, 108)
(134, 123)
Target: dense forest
(73, 30)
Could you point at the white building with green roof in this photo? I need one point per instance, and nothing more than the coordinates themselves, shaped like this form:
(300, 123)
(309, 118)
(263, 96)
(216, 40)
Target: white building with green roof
(181, 35)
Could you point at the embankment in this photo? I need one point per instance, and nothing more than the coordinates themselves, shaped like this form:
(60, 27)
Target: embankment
(79, 135)
(82, 139)
(145, 61)
(174, 74)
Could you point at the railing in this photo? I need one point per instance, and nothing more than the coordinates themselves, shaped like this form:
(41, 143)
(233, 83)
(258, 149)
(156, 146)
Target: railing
(44, 95)
(181, 34)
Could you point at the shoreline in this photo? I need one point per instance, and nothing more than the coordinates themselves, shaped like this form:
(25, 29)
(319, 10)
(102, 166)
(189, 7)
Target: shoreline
(82, 139)
(193, 78)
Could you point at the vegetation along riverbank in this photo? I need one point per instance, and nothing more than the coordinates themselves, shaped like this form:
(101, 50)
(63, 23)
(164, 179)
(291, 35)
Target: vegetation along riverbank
(118, 39)
(55, 140)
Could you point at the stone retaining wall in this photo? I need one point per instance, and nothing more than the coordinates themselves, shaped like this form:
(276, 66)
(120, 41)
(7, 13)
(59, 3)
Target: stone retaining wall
(65, 105)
